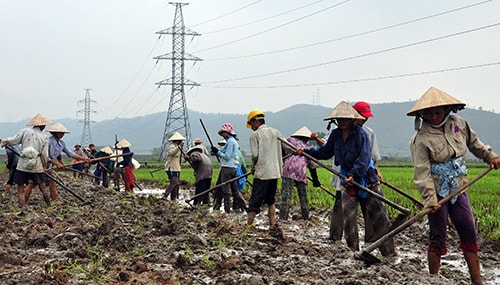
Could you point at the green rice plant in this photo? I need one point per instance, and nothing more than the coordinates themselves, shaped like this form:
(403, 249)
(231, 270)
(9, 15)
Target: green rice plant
(94, 271)
(206, 259)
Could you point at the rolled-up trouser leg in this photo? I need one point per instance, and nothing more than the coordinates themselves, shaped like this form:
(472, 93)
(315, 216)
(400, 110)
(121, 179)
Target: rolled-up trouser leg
(304, 203)
(377, 222)
(286, 193)
(171, 188)
(350, 213)
(337, 219)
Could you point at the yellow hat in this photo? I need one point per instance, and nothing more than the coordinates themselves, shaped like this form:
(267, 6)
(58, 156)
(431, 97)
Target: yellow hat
(254, 114)
(434, 97)
(39, 120)
(344, 111)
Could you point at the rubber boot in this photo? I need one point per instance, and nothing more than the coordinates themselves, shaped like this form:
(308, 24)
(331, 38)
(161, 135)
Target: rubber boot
(472, 259)
(434, 260)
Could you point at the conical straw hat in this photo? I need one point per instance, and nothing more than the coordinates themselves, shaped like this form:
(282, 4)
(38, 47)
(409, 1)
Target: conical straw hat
(107, 150)
(435, 98)
(57, 128)
(177, 137)
(39, 120)
(302, 132)
(344, 111)
(197, 147)
(123, 144)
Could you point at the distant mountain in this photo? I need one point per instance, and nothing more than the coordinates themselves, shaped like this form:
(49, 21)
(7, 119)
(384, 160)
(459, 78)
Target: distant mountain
(392, 127)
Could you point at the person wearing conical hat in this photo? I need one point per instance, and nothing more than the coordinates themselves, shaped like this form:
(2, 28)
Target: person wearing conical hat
(229, 163)
(103, 167)
(295, 174)
(33, 156)
(56, 147)
(199, 142)
(350, 145)
(203, 171)
(267, 167)
(438, 150)
(173, 165)
(126, 164)
(77, 166)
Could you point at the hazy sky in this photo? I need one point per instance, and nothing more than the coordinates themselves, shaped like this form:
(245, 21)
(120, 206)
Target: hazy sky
(267, 54)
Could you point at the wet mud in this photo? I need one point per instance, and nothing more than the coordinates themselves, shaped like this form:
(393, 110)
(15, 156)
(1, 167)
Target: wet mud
(119, 238)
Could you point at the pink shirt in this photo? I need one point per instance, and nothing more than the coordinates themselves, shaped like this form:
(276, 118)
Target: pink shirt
(295, 166)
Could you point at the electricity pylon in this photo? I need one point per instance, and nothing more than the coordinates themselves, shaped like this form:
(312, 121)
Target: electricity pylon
(86, 133)
(177, 114)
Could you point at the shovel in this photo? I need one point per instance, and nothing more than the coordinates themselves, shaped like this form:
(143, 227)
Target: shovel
(371, 259)
(404, 211)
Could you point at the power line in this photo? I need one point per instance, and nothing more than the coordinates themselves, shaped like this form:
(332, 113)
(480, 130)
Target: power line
(353, 57)
(226, 14)
(265, 19)
(361, 79)
(351, 36)
(133, 79)
(274, 28)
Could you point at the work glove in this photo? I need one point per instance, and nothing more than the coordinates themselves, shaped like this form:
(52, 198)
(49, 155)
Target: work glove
(314, 176)
(214, 150)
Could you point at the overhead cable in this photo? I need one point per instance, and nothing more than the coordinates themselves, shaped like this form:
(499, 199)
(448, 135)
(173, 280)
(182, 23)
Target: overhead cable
(358, 80)
(348, 36)
(353, 57)
(229, 13)
(264, 19)
(273, 28)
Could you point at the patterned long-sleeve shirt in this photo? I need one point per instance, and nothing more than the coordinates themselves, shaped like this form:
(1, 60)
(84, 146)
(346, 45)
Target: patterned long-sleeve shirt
(295, 166)
(430, 146)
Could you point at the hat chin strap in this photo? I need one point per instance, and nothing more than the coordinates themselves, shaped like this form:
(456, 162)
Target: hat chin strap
(440, 124)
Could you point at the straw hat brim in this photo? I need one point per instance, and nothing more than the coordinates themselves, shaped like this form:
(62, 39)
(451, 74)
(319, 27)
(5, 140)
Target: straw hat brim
(344, 111)
(194, 148)
(434, 97)
(57, 128)
(177, 137)
(123, 143)
(39, 120)
(302, 132)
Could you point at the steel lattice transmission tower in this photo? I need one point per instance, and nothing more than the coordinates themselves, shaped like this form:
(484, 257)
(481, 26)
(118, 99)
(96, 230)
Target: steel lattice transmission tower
(177, 114)
(86, 134)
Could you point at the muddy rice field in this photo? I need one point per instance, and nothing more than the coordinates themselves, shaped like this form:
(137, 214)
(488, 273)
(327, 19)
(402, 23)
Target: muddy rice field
(118, 238)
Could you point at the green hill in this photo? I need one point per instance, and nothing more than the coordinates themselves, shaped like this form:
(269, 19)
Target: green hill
(393, 128)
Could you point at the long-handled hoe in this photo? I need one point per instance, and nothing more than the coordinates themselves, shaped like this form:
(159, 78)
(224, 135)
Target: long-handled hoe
(404, 211)
(370, 259)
